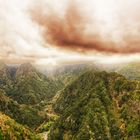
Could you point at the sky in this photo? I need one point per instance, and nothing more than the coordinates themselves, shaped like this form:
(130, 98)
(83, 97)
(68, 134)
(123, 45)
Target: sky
(49, 32)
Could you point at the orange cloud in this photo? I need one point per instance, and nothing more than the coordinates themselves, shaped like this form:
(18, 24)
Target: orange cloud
(70, 31)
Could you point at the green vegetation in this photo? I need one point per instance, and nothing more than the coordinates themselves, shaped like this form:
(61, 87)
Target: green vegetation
(11, 130)
(68, 73)
(22, 89)
(98, 106)
(131, 71)
(30, 86)
(73, 104)
(23, 114)
(45, 127)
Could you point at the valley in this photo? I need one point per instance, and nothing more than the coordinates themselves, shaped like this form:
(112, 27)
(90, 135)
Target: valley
(73, 102)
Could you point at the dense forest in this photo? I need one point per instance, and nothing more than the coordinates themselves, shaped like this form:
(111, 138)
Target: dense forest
(11, 130)
(76, 102)
(98, 105)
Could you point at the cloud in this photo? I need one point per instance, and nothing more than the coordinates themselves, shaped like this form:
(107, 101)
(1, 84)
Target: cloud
(110, 31)
(50, 32)
(20, 37)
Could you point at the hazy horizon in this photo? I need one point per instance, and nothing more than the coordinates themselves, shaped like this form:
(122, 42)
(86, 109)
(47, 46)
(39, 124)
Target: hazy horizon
(51, 33)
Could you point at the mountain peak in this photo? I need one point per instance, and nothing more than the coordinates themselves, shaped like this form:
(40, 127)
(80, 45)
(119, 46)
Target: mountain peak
(25, 69)
(2, 65)
(26, 65)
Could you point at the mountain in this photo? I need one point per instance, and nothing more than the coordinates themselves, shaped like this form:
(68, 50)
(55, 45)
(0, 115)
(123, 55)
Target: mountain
(23, 93)
(66, 73)
(27, 85)
(131, 71)
(11, 130)
(72, 102)
(5, 77)
(100, 106)
(23, 114)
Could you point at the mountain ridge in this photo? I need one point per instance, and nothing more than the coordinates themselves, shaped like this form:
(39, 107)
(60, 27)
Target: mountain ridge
(98, 105)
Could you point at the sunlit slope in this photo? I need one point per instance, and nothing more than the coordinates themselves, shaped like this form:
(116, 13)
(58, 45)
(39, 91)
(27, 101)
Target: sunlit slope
(98, 106)
(131, 71)
(11, 130)
(22, 113)
(25, 84)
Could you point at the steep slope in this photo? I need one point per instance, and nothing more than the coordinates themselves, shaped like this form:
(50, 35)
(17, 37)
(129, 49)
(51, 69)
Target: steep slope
(66, 73)
(5, 77)
(30, 86)
(23, 93)
(70, 72)
(23, 114)
(11, 130)
(131, 71)
(100, 106)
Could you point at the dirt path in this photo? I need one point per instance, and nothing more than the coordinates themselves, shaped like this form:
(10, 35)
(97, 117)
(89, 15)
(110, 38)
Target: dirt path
(46, 135)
